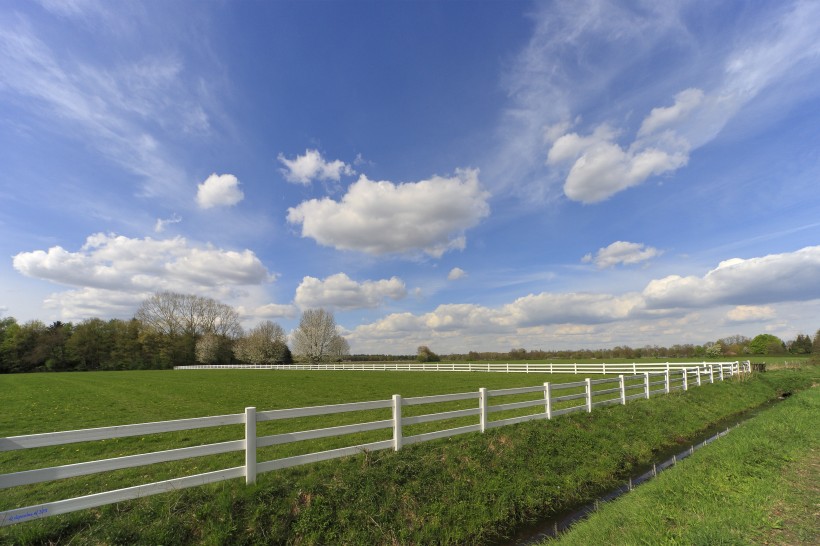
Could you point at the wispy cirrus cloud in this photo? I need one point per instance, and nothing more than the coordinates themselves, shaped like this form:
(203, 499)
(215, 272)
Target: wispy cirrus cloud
(125, 110)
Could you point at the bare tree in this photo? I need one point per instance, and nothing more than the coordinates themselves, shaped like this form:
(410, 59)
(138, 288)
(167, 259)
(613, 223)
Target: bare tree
(265, 344)
(174, 314)
(316, 338)
(339, 348)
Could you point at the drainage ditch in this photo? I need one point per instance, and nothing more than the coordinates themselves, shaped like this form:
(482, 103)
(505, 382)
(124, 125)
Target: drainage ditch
(552, 526)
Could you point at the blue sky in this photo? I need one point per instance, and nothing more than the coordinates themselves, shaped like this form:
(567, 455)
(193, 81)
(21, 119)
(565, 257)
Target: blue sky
(463, 175)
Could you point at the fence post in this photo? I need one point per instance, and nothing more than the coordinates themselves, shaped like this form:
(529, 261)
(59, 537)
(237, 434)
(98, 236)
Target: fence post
(646, 383)
(721, 371)
(604, 372)
(666, 388)
(685, 379)
(250, 446)
(697, 369)
(548, 399)
(634, 369)
(397, 422)
(575, 368)
(711, 374)
(482, 406)
(589, 394)
(622, 384)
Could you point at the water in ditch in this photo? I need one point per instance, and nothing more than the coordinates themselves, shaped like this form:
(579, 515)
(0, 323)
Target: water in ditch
(554, 525)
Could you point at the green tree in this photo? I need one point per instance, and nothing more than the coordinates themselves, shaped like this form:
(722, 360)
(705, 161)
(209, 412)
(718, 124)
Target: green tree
(767, 344)
(9, 333)
(89, 346)
(714, 350)
(801, 345)
(424, 354)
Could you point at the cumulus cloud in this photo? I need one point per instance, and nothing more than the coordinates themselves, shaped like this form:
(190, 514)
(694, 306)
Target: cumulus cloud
(124, 269)
(622, 252)
(341, 292)
(774, 278)
(600, 167)
(219, 190)
(382, 218)
(673, 307)
(750, 313)
(304, 169)
(456, 273)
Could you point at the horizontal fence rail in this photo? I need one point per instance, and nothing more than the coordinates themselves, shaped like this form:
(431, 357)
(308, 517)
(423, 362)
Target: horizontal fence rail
(539, 402)
(583, 368)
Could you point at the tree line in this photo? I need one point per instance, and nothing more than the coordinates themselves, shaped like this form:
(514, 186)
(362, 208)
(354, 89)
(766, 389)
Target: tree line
(168, 329)
(171, 329)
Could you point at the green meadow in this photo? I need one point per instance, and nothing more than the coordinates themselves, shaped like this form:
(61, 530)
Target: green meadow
(463, 490)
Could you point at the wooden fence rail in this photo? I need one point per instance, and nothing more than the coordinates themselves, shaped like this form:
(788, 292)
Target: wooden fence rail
(549, 400)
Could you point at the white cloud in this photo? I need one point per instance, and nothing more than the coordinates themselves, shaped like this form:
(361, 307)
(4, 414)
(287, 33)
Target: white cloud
(577, 308)
(581, 53)
(750, 313)
(108, 264)
(685, 102)
(270, 311)
(382, 217)
(219, 190)
(774, 278)
(456, 273)
(159, 227)
(622, 252)
(753, 286)
(341, 292)
(303, 169)
(601, 168)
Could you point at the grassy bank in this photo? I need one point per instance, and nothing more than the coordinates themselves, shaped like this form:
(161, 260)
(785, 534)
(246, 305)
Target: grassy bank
(466, 490)
(758, 485)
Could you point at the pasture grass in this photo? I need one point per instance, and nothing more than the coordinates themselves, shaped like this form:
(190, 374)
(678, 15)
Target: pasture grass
(757, 485)
(464, 490)
(36, 403)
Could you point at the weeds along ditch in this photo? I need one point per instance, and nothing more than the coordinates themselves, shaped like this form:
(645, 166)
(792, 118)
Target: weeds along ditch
(471, 489)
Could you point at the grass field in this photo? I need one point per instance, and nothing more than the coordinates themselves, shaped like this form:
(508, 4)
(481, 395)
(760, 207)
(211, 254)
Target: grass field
(463, 490)
(35, 403)
(758, 485)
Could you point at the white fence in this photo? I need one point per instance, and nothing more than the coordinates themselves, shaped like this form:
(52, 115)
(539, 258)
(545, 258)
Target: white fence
(549, 401)
(602, 368)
